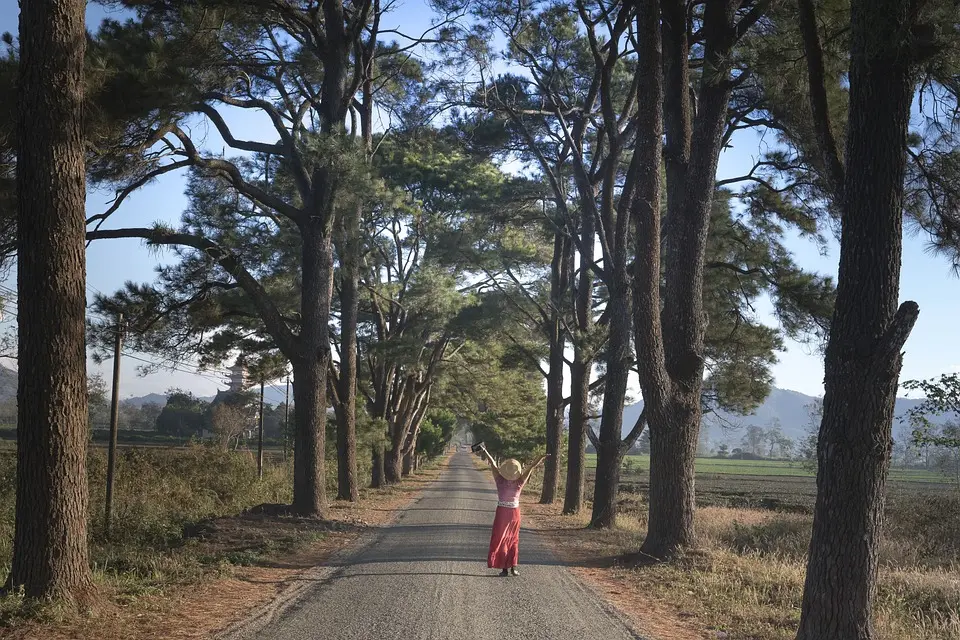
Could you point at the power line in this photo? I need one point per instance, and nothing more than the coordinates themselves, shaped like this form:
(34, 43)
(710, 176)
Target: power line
(216, 375)
(173, 367)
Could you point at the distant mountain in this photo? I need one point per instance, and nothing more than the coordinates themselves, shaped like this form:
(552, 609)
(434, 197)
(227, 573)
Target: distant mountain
(272, 395)
(150, 398)
(8, 384)
(789, 408)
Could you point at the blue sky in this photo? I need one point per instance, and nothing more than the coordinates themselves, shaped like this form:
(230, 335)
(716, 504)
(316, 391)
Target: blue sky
(926, 279)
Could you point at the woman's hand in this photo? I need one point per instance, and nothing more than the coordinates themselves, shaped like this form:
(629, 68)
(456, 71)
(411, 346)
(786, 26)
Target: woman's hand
(533, 467)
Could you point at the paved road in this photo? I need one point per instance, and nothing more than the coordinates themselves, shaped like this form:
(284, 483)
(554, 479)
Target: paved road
(425, 578)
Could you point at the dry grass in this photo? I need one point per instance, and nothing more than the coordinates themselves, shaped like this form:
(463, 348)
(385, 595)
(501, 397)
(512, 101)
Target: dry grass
(745, 579)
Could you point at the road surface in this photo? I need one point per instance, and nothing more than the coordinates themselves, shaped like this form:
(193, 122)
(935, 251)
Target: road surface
(426, 578)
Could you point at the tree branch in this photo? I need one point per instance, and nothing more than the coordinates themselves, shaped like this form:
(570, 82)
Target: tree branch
(271, 316)
(227, 135)
(635, 433)
(827, 146)
(100, 218)
(287, 148)
(232, 174)
(893, 339)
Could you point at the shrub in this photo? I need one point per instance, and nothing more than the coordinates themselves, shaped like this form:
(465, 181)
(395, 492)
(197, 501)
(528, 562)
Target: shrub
(157, 493)
(924, 530)
(781, 536)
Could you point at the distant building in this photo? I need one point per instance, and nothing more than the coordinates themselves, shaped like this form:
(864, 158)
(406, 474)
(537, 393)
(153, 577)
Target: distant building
(237, 381)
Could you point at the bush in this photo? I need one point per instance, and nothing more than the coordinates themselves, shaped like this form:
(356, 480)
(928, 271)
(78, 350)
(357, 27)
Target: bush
(158, 492)
(781, 536)
(923, 530)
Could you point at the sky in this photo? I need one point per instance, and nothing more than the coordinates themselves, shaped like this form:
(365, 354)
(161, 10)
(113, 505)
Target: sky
(926, 279)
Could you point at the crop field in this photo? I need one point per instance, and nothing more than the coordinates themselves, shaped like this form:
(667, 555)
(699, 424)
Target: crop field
(778, 485)
(725, 466)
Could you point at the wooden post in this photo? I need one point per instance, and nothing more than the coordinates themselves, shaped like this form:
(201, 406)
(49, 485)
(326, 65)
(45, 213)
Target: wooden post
(286, 419)
(260, 437)
(114, 425)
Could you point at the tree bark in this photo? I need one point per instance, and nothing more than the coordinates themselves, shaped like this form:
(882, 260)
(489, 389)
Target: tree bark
(610, 444)
(554, 424)
(309, 481)
(393, 466)
(577, 436)
(310, 370)
(50, 537)
(378, 472)
(867, 334)
(556, 364)
(347, 486)
(408, 464)
(673, 450)
(406, 413)
(316, 224)
(580, 370)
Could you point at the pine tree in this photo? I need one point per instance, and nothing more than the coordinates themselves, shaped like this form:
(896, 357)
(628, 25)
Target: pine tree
(50, 558)
(295, 65)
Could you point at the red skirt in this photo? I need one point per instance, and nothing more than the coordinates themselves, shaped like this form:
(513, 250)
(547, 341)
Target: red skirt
(505, 539)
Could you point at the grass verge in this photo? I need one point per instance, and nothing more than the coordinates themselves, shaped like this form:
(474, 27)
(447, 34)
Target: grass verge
(745, 579)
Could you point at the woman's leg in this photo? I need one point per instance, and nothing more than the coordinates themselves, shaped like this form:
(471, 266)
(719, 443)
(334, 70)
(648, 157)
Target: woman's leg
(513, 543)
(495, 556)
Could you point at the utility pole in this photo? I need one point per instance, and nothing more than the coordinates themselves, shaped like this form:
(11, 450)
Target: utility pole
(286, 419)
(114, 425)
(260, 437)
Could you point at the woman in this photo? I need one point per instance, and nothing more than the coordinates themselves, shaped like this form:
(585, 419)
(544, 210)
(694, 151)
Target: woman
(505, 539)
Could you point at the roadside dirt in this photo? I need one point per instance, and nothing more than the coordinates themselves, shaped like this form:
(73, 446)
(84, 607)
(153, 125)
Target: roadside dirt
(593, 556)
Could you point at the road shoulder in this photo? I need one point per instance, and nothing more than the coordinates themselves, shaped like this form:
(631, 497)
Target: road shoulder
(591, 556)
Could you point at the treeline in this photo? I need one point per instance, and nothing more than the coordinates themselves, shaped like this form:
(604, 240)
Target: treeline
(520, 201)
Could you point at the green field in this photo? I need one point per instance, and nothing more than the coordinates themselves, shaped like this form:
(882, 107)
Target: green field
(721, 466)
(779, 485)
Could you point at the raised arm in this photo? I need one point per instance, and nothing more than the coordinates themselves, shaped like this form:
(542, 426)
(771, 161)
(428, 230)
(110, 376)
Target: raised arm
(490, 461)
(533, 466)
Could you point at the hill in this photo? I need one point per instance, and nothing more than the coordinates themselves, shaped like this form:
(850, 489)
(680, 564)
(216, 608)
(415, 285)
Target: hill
(789, 408)
(272, 395)
(150, 398)
(8, 384)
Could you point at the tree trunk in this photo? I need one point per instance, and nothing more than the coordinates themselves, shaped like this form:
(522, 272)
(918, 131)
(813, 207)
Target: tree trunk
(309, 472)
(554, 423)
(580, 370)
(577, 436)
(378, 473)
(867, 334)
(50, 536)
(393, 466)
(551, 472)
(347, 488)
(407, 464)
(670, 345)
(310, 373)
(610, 449)
(673, 450)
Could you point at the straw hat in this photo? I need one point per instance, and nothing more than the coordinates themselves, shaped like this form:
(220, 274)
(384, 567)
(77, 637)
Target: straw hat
(510, 469)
